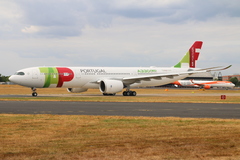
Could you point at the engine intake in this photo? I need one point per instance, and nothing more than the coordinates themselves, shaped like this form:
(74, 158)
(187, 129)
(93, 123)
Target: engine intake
(207, 87)
(111, 86)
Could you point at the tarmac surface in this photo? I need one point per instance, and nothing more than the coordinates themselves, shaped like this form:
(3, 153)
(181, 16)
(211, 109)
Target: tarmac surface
(186, 110)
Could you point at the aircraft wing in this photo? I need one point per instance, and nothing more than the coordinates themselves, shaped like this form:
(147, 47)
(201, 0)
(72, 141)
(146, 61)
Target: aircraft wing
(198, 84)
(219, 68)
(137, 79)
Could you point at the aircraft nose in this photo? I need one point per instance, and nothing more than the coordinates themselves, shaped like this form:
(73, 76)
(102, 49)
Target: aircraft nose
(12, 79)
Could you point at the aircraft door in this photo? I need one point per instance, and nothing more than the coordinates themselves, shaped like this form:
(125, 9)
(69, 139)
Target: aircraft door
(77, 74)
(34, 74)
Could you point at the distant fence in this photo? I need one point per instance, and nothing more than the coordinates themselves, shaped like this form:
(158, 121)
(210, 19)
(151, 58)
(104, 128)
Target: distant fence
(5, 83)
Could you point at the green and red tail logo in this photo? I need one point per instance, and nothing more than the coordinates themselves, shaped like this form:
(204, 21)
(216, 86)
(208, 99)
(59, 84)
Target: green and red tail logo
(190, 58)
(56, 75)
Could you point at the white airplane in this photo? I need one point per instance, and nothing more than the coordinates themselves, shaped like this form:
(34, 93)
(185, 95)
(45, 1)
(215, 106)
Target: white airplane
(204, 84)
(109, 80)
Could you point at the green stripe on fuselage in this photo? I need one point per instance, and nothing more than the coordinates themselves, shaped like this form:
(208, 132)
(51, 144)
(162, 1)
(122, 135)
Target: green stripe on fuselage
(51, 75)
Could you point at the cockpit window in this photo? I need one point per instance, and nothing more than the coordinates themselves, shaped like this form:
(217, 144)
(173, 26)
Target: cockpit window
(20, 73)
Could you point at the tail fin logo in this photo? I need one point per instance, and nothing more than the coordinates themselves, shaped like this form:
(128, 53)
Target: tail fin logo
(194, 53)
(190, 58)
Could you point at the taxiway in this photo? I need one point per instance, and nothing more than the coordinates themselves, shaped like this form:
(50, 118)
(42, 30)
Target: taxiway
(188, 110)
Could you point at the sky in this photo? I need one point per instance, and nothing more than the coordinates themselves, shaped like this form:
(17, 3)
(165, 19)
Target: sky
(128, 33)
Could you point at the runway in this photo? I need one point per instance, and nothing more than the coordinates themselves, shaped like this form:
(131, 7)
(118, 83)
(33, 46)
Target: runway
(186, 110)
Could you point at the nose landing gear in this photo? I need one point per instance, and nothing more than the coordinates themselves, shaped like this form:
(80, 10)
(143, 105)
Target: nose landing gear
(34, 93)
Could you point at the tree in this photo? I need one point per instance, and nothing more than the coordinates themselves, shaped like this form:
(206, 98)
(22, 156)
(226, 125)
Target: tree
(4, 78)
(234, 80)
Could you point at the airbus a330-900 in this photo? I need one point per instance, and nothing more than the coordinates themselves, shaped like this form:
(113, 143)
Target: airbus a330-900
(109, 80)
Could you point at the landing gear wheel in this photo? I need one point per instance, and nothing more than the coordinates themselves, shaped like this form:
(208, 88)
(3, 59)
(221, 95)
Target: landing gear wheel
(34, 94)
(134, 93)
(126, 93)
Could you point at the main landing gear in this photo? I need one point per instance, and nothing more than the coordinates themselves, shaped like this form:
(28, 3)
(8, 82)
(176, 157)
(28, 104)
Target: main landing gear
(129, 93)
(34, 93)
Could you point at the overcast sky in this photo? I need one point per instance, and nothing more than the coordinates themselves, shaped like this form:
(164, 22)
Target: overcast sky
(117, 33)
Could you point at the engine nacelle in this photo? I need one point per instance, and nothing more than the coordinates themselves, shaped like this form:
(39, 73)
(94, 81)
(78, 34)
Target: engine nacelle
(76, 90)
(207, 87)
(111, 86)
(175, 85)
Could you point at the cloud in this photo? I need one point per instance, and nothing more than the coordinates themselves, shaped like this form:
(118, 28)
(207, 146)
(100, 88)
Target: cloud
(31, 29)
(177, 11)
(130, 32)
(49, 13)
(10, 15)
(68, 18)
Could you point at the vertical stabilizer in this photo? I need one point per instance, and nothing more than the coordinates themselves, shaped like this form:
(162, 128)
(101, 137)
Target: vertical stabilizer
(190, 58)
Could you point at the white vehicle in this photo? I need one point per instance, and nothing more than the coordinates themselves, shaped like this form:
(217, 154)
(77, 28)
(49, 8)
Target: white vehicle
(109, 80)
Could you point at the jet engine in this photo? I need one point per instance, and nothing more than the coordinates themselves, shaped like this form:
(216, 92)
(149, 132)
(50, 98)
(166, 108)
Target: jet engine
(175, 85)
(111, 86)
(76, 90)
(207, 87)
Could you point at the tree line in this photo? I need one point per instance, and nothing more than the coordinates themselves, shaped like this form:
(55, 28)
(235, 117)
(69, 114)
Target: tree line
(4, 78)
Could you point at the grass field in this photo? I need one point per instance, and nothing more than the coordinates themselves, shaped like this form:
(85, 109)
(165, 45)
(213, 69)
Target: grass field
(36, 137)
(113, 137)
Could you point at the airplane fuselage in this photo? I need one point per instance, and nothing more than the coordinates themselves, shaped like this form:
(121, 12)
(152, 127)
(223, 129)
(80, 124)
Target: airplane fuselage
(88, 77)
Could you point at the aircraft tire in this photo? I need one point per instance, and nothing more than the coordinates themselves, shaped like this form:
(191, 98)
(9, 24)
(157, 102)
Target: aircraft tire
(34, 94)
(134, 93)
